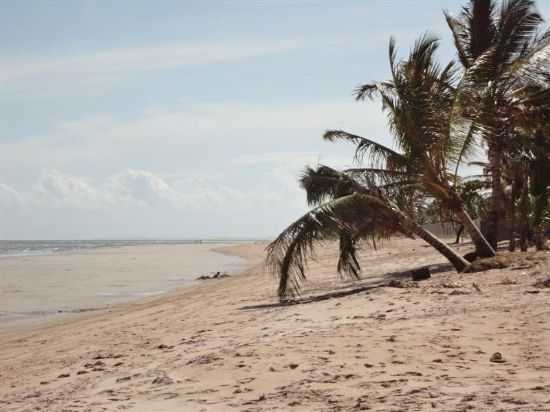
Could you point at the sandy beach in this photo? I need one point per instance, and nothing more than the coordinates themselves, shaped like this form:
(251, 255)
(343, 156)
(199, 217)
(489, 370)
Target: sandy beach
(226, 345)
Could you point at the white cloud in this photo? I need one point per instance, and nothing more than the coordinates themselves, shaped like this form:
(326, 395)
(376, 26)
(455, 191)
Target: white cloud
(55, 189)
(182, 139)
(150, 57)
(142, 203)
(177, 171)
(10, 198)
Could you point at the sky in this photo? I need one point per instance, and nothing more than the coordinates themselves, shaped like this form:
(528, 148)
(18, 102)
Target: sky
(185, 119)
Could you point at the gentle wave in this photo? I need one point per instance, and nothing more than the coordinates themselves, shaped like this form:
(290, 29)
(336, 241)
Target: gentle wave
(14, 248)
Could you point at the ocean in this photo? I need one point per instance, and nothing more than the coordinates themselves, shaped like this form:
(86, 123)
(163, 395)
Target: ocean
(48, 247)
(40, 279)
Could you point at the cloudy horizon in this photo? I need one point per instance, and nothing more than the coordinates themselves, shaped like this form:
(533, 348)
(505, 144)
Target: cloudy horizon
(182, 120)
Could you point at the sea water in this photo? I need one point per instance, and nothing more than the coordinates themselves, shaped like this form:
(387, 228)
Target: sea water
(41, 279)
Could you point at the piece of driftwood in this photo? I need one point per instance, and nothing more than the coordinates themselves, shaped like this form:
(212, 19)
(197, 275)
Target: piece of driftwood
(421, 274)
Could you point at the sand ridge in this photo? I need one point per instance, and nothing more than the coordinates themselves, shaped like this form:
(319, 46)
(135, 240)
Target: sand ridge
(386, 349)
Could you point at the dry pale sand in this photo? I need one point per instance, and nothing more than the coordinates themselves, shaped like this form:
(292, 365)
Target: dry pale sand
(385, 349)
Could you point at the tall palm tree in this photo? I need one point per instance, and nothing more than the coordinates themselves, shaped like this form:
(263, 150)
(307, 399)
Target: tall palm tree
(540, 187)
(348, 210)
(500, 51)
(419, 101)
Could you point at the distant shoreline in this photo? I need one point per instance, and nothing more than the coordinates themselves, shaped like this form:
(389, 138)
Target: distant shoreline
(39, 247)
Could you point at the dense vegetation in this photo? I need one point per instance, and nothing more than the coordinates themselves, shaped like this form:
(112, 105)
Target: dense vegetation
(496, 97)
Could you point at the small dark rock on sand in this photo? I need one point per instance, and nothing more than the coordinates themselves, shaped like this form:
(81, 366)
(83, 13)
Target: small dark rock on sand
(497, 358)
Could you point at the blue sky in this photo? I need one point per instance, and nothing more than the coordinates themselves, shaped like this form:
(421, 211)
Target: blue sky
(184, 118)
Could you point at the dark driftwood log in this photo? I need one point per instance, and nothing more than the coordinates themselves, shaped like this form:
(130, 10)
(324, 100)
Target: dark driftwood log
(421, 274)
(470, 257)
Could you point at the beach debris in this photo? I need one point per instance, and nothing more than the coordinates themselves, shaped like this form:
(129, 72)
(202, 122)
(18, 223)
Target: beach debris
(497, 358)
(482, 265)
(96, 364)
(204, 359)
(421, 274)
(63, 375)
(543, 283)
(450, 285)
(124, 379)
(476, 287)
(217, 275)
(293, 365)
(107, 356)
(162, 380)
(396, 283)
(163, 346)
(457, 292)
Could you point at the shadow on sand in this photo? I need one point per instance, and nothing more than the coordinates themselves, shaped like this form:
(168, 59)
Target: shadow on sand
(372, 282)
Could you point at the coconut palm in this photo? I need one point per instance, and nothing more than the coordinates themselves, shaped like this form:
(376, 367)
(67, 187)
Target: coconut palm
(418, 101)
(347, 210)
(503, 57)
(540, 186)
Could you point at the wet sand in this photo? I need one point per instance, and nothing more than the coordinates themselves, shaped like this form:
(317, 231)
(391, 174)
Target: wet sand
(226, 345)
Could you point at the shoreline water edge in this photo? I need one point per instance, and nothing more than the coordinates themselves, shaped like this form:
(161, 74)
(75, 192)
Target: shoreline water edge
(46, 280)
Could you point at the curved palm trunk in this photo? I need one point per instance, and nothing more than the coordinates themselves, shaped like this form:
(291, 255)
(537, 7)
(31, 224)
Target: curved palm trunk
(459, 263)
(483, 247)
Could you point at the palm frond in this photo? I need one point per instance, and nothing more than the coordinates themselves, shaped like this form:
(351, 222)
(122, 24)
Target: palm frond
(355, 215)
(473, 30)
(376, 153)
(324, 183)
(461, 38)
(347, 258)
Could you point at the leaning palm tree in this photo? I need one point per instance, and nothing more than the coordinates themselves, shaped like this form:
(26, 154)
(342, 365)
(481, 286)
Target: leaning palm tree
(503, 56)
(348, 210)
(419, 100)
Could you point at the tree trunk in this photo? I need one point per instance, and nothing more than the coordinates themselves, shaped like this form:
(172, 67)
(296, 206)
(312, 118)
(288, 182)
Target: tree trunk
(459, 263)
(524, 219)
(494, 216)
(459, 234)
(512, 244)
(409, 226)
(513, 213)
(483, 247)
(539, 182)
